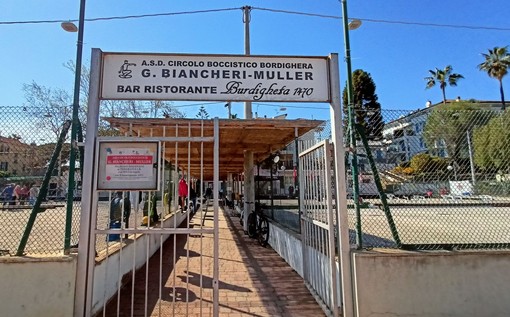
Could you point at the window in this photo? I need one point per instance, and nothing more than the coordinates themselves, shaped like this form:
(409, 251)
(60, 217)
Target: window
(4, 166)
(402, 146)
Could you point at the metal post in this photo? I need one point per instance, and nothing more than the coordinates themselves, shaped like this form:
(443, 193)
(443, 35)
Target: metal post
(74, 130)
(83, 288)
(44, 189)
(344, 251)
(216, 252)
(352, 129)
(295, 174)
(271, 186)
(249, 193)
(471, 162)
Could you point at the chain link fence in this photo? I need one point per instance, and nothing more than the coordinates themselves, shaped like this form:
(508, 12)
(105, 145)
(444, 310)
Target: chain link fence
(28, 140)
(445, 172)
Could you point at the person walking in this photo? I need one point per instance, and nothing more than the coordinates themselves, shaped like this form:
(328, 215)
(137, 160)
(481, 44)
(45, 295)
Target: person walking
(183, 193)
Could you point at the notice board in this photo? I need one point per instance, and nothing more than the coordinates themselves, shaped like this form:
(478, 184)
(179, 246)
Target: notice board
(128, 165)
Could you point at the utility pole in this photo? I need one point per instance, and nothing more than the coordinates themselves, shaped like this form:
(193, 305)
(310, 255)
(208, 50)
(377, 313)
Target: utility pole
(249, 181)
(229, 107)
(246, 20)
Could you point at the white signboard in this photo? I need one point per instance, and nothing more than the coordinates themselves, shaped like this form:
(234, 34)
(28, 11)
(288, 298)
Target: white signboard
(214, 77)
(128, 166)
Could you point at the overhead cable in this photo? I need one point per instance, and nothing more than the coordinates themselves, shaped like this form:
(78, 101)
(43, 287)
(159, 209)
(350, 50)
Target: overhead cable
(457, 26)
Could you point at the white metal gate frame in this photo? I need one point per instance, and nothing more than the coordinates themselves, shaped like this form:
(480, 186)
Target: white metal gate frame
(88, 224)
(318, 225)
(86, 250)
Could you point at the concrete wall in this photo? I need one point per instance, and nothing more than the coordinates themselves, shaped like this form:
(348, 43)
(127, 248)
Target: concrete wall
(457, 284)
(428, 284)
(45, 286)
(37, 286)
(288, 245)
(460, 284)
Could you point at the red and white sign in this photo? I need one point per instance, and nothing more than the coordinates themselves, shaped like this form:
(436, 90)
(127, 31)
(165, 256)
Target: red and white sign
(128, 165)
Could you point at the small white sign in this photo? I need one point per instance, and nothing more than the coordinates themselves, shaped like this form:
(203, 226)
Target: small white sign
(128, 165)
(214, 77)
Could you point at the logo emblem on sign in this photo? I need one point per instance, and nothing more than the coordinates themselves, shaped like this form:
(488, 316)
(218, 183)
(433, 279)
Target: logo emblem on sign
(124, 71)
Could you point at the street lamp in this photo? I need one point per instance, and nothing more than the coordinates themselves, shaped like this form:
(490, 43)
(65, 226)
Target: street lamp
(70, 27)
(452, 167)
(354, 24)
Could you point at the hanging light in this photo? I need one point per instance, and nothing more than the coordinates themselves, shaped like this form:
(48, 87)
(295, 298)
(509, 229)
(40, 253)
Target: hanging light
(69, 26)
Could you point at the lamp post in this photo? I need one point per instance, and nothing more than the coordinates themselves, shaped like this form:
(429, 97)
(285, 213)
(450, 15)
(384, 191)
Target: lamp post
(471, 161)
(352, 120)
(70, 27)
(452, 167)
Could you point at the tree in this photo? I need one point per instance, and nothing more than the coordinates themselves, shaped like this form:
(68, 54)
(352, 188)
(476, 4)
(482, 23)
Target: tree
(428, 166)
(202, 113)
(51, 107)
(496, 65)
(448, 124)
(366, 107)
(443, 77)
(48, 106)
(491, 145)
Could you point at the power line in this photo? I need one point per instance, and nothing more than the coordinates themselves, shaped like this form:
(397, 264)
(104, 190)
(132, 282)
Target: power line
(124, 17)
(471, 27)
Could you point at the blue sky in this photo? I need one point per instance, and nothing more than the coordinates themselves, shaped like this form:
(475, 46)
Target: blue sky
(397, 55)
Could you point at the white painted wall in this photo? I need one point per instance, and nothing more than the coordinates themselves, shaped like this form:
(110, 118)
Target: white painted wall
(459, 284)
(288, 245)
(37, 286)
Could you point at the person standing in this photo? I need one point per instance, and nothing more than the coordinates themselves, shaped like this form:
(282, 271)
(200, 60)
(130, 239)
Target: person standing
(116, 209)
(32, 194)
(7, 195)
(24, 194)
(183, 193)
(193, 199)
(127, 212)
(17, 194)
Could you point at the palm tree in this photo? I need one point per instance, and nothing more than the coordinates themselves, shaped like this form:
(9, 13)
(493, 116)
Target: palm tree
(496, 65)
(444, 77)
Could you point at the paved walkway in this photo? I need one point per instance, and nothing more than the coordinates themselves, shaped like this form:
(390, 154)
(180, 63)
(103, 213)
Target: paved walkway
(253, 281)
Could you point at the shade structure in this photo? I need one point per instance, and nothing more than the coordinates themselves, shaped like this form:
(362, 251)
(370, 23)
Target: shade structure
(261, 136)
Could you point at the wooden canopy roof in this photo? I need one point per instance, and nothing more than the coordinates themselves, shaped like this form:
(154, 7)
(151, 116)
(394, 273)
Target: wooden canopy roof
(262, 136)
